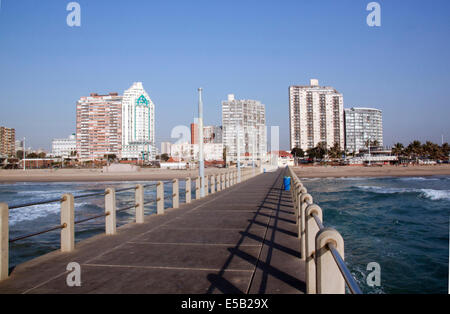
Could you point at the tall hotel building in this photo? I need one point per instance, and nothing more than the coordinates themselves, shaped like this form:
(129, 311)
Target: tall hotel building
(138, 124)
(248, 119)
(99, 132)
(316, 114)
(7, 142)
(362, 125)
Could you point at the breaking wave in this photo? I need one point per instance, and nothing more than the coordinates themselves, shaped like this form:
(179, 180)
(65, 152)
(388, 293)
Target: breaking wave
(434, 195)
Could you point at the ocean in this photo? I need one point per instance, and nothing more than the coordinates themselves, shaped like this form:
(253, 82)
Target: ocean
(400, 223)
(28, 220)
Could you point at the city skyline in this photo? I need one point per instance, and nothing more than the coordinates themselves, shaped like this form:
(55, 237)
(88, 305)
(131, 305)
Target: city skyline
(391, 68)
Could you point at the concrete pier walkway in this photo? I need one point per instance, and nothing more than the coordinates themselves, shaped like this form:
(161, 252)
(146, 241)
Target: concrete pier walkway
(240, 240)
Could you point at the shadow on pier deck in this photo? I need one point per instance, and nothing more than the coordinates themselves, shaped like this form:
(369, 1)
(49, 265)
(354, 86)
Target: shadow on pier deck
(240, 240)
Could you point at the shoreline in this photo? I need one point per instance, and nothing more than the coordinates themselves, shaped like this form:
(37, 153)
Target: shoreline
(96, 175)
(361, 171)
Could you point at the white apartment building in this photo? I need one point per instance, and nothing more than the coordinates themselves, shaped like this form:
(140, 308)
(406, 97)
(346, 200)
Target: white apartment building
(316, 114)
(138, 124)
(187, 151)
(362, 125)
(64, 147)
(244, 120)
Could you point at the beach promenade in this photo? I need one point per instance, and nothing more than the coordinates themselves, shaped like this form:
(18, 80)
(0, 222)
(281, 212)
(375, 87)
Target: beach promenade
(240, 240)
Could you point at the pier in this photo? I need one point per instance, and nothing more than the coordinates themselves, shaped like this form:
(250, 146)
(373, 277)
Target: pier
(249, 237)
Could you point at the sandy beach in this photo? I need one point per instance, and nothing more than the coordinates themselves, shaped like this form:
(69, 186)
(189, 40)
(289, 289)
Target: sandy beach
(361, 171)
(79, 175)
(72, 175)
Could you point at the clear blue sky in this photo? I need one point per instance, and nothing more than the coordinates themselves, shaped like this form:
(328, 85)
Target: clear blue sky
(252, 48)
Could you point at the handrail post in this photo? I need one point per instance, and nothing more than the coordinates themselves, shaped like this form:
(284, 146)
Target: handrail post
(227, 180)
(110, 207)
(4, 241)
(160, 198)
(197, 188)
(139, 203)
(68, 219)
(188, 190)
(328, 276)
(305, 200)
(213, 184)
(311, 230)
(175, 194)
(206, 185)
(222, 178)
(218, 182)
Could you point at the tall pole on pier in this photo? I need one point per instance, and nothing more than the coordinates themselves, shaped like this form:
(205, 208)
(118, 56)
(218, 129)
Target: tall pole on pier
(24, 154)
(201, 163)
(238, 153)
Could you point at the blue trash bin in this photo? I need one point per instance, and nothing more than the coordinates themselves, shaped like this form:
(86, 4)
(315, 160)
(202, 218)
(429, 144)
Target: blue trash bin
(287, 183)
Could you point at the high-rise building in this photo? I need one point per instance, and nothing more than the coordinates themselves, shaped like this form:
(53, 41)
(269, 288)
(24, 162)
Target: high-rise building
(194, 133)
(316, 114)
(361, 126)
(211, 134)
(166, 148)
(64, 147)
(19, 145)
(99, 132)
(7, 142)
(246, 120)
(138, 124)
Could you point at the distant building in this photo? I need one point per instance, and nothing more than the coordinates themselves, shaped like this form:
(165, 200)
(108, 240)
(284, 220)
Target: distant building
(138, 124)
(211, 134)
(194, 133)
(362, 125)
(7, 142)
(64, 147)
(19, 145)
(99, 132)
(246, 119)
(281, 158)
(186, 151)
(316, 114)
(166, 148)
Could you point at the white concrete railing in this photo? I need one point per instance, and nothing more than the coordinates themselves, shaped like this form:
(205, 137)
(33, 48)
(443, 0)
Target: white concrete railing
(321, 248)
(213, 183)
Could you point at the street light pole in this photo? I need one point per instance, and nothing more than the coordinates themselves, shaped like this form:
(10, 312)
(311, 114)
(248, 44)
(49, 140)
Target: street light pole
(24, 154)
(200, 144)
(238, 153)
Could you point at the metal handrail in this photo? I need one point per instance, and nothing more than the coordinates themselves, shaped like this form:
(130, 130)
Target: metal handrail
(36, 203)
(349, 280)
(38, 233)
(125, 208)
(345, 272)
(318, 222)
(92, 218)
(126, 189)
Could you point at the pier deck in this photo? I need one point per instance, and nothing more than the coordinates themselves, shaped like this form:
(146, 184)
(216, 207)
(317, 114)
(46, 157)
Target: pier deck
(240, 240)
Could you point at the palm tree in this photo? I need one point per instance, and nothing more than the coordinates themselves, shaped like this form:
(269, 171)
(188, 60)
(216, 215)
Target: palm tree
(335, 151)
(398, 149)
(414, 149)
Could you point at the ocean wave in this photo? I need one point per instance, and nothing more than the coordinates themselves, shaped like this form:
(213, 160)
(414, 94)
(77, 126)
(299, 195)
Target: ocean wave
(417, 179)
(434, 195)
(38, 211)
